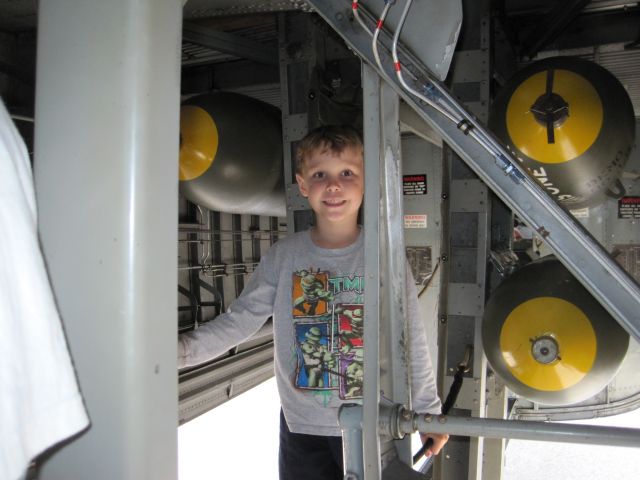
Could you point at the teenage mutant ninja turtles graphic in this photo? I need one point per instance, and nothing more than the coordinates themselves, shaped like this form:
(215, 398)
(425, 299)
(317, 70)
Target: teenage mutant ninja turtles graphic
(328, 333)
(352, 374)
(323, 366)
(310, 293)
(351, 323)
(316, 361)
(329, 353)
(351, 328)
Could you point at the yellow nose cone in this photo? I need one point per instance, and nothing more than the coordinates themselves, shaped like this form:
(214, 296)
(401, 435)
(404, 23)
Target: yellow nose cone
(198, 141)
(548, 343)
(576, 134)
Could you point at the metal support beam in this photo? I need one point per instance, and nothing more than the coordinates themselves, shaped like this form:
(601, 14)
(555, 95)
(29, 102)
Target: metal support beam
(467, 248)
(351, 424)
(395, 280)
(216, 244)
(395, 421)
(194, 274)
(383, 217)
(297, 58)
(519, 429)
(228, 43)
(394, 322)
(211, 385)
(494, 448)
(106, 145)
(552, 25)
(238, 256)
(370, 447)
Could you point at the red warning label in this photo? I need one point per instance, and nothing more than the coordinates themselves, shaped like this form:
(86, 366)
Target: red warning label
(629, 207)
(414, 184)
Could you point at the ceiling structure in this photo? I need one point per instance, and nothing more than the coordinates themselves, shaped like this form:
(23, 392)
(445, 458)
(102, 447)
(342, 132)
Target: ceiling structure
(604, 31)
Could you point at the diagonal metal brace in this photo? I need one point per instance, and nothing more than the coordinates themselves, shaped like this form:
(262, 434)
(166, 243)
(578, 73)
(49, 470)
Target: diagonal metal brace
(589, 262)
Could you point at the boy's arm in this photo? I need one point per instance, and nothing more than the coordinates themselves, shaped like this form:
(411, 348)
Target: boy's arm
(424, 393)
(244, 317)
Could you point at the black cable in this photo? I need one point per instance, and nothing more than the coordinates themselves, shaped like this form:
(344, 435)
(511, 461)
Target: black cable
(452, 396)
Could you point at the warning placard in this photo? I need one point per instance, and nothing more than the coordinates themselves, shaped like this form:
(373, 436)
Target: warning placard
(415, 221)
(580, 213)
(629, 207)
(414, 184)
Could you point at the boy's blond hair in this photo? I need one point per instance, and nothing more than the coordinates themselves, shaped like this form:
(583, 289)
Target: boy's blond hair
(333, 138)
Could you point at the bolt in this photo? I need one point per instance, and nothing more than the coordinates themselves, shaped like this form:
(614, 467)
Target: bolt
(312, 95)
(443, 319)
(442, 419)
(545, 349)
(542, 232)
(444, 196)
(444, 258)
(428, 418)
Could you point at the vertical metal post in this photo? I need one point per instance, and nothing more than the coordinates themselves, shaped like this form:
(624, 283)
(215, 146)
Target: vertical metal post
(501, 238)
(256, 251)
(106, 150)
(371, 126)
(273, 227)
(351, 424)
(466, 249)
(194, 259)
(216, 247)
(297, 58)
(394, 267)
(494, 448)
(238, 256)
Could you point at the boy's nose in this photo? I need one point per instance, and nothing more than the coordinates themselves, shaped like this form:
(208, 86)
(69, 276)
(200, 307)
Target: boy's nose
(333, 184)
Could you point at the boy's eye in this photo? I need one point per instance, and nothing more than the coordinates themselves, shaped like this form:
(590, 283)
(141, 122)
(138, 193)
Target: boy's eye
(318, 175)
(347, 173)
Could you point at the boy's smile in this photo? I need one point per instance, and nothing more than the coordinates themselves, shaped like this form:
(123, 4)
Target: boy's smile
(334, 184)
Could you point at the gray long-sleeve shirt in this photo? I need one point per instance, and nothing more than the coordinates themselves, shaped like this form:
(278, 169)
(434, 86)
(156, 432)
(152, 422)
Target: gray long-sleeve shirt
(316, 298)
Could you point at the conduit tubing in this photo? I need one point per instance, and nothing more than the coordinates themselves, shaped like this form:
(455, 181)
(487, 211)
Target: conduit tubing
(463, 121)
(410, 422)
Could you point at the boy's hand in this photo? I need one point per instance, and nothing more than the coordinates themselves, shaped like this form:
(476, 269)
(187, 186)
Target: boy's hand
(439, 440)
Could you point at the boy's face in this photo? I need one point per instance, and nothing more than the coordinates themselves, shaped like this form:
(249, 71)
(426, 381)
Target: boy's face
(334, 185)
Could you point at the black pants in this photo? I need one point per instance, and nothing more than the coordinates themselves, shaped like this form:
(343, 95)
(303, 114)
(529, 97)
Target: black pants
(308, 457)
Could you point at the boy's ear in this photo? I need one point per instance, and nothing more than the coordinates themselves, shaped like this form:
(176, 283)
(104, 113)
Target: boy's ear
(301, 185)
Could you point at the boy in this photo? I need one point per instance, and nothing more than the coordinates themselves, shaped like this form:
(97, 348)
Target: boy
(312, 284)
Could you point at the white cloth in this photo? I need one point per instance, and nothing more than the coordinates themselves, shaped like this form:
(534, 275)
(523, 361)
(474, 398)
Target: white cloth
(40, 403)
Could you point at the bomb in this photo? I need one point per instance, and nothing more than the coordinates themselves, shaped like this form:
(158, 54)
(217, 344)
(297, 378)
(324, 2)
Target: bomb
(548, 338)
(571, 124)
(231, 154)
